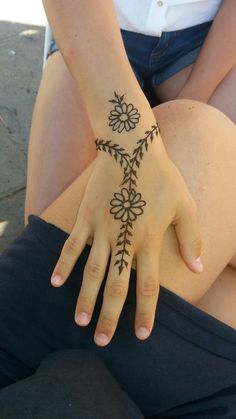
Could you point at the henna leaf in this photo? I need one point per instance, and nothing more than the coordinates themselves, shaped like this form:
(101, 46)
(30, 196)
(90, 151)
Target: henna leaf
(121, 235)
(130, 176)
(120, 252)
(119, 243)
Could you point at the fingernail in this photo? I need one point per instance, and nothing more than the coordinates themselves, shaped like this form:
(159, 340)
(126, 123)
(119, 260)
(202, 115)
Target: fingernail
(101, 339)
(198, 264)
(142, 333)
(82, 318)
(56, 280)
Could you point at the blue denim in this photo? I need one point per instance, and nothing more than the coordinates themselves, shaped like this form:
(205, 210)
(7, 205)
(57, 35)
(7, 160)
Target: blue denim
(156, 59)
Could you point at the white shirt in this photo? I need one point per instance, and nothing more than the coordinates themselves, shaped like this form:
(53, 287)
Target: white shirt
(152, 17)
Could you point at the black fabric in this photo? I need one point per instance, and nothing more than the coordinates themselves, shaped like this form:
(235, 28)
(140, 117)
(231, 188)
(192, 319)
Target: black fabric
(69, 384)
(185, 369)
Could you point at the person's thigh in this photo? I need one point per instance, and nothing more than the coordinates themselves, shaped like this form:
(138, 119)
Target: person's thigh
(61, 139)
(224, 97)
(201, 142)
(170, 88)
(220, 299)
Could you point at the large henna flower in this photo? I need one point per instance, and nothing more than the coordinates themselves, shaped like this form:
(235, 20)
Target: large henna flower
(127, 205)
(124, 116)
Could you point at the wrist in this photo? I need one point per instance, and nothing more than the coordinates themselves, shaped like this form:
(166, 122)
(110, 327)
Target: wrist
(123, 118)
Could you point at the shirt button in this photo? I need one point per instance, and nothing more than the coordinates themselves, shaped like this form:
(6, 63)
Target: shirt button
(160, 3)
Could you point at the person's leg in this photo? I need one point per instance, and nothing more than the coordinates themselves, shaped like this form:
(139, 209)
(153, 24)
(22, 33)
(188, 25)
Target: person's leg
(223, 98)
(201, 142)
(170, 88)
(36, 319)
(69, 384)
(61, 140)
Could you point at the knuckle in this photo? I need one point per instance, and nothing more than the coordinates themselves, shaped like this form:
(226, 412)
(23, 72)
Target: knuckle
(71, 244)
(196, 243)
(106, 323)
(149, 238)
(148, 287)
(84, 303)
(93, 270)
(116, 288)
(145, 318)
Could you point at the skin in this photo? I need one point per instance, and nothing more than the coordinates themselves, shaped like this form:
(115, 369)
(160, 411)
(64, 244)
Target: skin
(223, 98)
(59, 95)
(70, 127)
(210, 137)
(212, 78)
(97, 88)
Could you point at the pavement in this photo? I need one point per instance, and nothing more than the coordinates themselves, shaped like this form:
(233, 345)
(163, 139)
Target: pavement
(21, 58)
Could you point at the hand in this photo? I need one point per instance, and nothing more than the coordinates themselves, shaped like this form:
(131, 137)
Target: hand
(128, 221)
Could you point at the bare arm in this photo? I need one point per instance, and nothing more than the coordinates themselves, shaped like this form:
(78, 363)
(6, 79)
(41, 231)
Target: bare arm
(133, 178)
(217, 56)
(89, 38)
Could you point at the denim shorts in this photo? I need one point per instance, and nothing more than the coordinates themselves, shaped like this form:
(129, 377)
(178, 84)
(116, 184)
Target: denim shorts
(155, 59)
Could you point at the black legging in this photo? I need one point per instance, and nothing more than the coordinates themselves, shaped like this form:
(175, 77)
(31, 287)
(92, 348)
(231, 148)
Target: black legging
(186, 369)
(69, 384)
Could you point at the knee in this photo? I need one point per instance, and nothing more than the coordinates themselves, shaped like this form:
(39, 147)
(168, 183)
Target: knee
(188, 111)
(186, 122)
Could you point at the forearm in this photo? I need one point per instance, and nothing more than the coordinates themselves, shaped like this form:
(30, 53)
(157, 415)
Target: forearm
(217, 56)
(89, 38)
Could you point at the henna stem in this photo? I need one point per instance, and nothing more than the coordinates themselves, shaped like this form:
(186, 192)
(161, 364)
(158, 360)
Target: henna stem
(127, 204)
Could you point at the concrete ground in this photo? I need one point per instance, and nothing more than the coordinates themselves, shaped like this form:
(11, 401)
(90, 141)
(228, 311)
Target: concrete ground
(21, 52)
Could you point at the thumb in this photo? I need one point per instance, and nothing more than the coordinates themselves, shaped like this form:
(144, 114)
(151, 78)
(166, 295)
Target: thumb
(188, 234)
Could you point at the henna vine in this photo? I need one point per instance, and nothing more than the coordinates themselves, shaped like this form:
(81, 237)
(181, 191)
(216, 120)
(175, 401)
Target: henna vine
(127, 204)
(124, 116)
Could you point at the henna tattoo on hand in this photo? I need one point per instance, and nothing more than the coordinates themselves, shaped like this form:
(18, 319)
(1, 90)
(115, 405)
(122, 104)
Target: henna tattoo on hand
(127, 204)
(124, 116)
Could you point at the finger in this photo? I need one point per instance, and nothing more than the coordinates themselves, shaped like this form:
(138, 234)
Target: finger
(71, 251)
(93, 276)
(188, 234)
(147, 291)
(115, 293)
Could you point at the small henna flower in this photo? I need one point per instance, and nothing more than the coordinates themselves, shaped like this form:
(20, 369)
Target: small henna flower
(127, 205)
(124, 116)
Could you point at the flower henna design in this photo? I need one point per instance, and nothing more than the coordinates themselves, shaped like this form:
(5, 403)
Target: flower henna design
(127, 204)
(124, 116)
